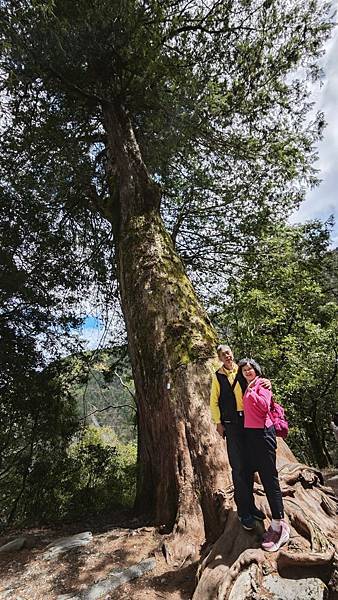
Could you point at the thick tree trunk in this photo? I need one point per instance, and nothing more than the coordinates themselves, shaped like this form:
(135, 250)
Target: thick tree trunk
(170, 344)
(184, 473)
(183, 468)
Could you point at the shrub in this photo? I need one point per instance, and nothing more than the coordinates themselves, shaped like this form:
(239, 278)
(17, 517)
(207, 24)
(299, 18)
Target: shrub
(96, 474)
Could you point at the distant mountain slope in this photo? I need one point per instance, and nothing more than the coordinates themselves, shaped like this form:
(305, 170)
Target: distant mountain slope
(103, 385)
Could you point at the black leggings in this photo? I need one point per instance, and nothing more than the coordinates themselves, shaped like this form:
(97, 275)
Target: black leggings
(242, 475)
(261, 450)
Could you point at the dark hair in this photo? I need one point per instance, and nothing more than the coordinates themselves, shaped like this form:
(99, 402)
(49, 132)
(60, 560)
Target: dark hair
(335, 418)
(252, 363)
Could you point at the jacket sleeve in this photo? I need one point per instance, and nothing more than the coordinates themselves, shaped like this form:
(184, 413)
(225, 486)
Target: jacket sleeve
(260, 399)
(214, 398)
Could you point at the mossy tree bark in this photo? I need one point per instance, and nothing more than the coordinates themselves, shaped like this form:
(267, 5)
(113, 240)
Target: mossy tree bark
(184, 478)
(183, 468)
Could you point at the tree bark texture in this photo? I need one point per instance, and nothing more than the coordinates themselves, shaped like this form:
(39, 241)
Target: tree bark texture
(184, 478)
(183, 468)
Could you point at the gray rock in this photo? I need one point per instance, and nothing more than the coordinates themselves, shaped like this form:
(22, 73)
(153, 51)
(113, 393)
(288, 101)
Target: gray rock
(67, 543)
(117, 578)
(114, 580)
(280, 588)
(14, 545)
(296, 589)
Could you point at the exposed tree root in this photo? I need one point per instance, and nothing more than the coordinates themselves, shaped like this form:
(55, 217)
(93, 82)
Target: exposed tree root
(310, 510)
(329, 492)
(233, 551)
(223, 501)
(329, 505)
(244, 560)
(304, 559)
(290, 473)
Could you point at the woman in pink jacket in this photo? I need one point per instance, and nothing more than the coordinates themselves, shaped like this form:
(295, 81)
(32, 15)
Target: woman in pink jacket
(261, 446)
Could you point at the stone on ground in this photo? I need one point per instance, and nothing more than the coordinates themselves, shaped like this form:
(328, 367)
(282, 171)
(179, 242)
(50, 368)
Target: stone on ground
(280, 588)
(67, 543)
(14, 545)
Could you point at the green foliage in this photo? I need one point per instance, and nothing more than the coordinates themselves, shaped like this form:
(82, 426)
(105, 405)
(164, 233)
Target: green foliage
(99, 476)
(41, 282)
(102, 384)
(103, 474)
(37, 422)
(212, 94)
(94, 474)
(50, 467)
(278, 311)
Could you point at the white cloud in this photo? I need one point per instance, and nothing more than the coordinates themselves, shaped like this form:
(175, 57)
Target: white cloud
(98, 331)
(91, 336)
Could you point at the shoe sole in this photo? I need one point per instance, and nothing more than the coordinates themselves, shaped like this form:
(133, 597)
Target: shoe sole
(273, 549)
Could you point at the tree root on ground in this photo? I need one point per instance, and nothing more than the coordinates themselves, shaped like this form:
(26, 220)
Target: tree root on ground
(311, 512)
(304, 559)
(290, 473)
(184, 543)
(244, 560)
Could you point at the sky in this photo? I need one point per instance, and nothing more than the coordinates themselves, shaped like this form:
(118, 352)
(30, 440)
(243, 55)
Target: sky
(322, 201)
(91, 332)
(99, 332)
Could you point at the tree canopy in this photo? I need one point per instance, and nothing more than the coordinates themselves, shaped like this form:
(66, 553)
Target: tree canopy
(217, 94)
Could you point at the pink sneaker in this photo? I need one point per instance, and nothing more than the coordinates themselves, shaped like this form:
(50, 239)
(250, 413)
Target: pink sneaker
(273, 540)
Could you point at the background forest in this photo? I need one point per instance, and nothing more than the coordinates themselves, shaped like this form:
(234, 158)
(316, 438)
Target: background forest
(68, 416)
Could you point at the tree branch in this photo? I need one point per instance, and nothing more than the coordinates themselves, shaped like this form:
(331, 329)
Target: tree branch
(125, 386)
(98, 410)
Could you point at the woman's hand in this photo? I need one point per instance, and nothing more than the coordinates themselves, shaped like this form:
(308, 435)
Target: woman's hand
(266, 383)
(220, 429)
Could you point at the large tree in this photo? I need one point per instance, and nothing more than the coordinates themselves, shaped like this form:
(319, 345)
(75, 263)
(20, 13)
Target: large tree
(128, 106)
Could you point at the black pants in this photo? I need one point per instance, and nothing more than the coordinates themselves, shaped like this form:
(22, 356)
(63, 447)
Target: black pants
(261, 451)
(242, 473)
